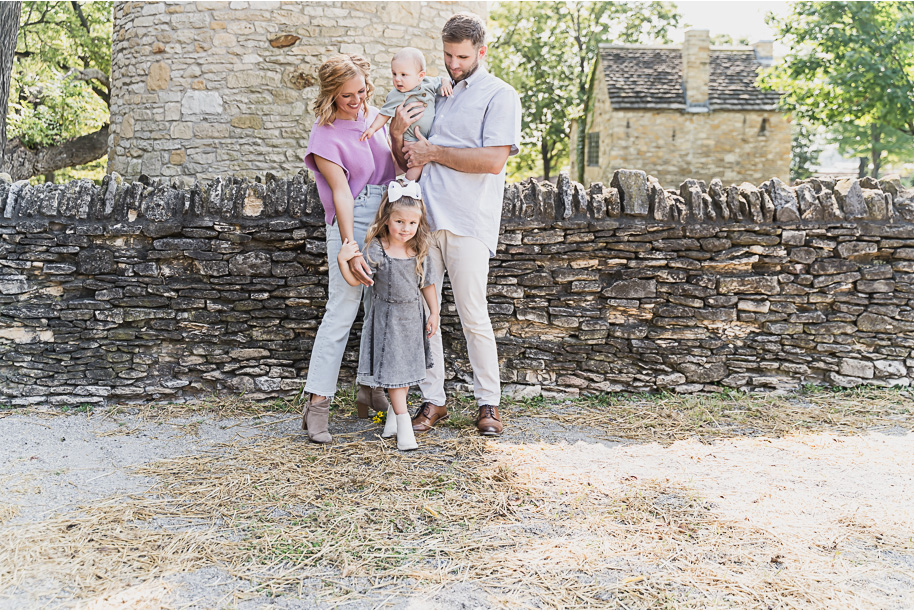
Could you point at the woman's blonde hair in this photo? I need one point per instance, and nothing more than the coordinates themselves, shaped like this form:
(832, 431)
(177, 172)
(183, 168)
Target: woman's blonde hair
(332, 75)
(418, 244)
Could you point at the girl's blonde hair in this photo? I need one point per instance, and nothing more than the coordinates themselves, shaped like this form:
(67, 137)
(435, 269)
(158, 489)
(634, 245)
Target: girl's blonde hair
(332, 75)
(417, 244)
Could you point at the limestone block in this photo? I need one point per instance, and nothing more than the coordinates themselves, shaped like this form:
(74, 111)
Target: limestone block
(224, 39)
(690, 191)
(833, 266)
(719, 199)
(749, 284)
(252, 122)
(256, 263)
(885, 368)
(248, 79)
(209, 130)
(875, 286)
(159, 76)
(831, 211)
(849, 195)
(872, 322)
(177, 158)
(793, 237)
(857, 250)
(12, 285)
(754, 306)
(784, 199)
(201, 103)
(751, 207)
(633, 191)
(127, 126)
(878, 205)
(632, 289)
(856, 368)
(183, 130)
(809, 204)
(283, 41)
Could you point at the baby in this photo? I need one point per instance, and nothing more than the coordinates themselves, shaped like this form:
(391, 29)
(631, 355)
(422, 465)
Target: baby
(411, 84)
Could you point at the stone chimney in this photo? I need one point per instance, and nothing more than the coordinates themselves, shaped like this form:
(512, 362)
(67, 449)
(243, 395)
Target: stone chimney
(696, 69)
(764, 52)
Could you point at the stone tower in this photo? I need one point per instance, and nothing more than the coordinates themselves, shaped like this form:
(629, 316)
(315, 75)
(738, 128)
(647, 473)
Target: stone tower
(202, 89)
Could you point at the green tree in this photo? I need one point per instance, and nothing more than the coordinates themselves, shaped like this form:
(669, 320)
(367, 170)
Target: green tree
(9, 22)
(547, 51)
(726, 40)
(60, 88)
(848, 62)
(874, 145)
(804, 154)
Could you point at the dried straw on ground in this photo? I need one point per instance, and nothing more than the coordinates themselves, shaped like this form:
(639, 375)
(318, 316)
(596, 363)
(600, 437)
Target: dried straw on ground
(278, 513)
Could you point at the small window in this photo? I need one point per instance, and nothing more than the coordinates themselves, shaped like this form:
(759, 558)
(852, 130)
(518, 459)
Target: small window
(763, 130)
(593, 149)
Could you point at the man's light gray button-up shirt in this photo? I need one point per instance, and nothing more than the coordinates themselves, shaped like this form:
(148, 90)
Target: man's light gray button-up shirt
(484, 111)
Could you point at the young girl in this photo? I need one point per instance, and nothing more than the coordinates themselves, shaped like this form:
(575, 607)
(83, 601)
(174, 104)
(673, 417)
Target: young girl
(410, 85)
(395, 351)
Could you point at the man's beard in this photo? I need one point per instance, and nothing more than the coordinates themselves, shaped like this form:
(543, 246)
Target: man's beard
(467, 75)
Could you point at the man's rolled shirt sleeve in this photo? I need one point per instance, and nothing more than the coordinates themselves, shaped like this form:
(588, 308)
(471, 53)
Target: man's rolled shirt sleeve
(501, 125)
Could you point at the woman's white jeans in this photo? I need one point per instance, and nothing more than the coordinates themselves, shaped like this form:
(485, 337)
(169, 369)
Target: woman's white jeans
(342, 299)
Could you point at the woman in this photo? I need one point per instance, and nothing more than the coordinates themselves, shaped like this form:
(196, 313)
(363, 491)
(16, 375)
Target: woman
(351, 177)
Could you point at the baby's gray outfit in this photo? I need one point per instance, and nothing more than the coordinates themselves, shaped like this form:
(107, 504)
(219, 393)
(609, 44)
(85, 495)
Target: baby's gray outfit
(424, 92)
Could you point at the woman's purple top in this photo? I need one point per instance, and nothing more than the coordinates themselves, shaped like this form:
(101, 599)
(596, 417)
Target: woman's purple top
(365, 163)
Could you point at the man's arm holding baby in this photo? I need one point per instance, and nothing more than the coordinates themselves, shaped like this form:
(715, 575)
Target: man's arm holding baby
(473, 160)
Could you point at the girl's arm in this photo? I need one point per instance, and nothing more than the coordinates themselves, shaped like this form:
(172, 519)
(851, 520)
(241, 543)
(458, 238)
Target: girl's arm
(376, 125)
(350, 250)
(431, 298)
(344, 204)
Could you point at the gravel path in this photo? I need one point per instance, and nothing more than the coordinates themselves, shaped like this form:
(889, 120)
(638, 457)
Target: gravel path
(835, 513)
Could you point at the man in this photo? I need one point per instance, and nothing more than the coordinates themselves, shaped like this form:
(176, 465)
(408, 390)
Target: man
(474, 132)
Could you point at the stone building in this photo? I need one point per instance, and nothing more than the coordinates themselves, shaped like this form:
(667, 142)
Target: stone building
(687, 111)
(202, 89)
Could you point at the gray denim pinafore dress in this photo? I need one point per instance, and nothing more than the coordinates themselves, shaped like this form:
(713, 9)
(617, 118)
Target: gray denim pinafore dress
(395, 351)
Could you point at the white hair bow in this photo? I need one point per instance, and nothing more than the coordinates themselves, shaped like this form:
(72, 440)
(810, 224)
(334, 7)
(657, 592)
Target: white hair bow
(411, 189)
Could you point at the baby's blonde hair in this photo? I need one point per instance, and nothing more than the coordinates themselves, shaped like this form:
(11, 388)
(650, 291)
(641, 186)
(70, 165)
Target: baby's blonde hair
(410, 54)
(332, 75)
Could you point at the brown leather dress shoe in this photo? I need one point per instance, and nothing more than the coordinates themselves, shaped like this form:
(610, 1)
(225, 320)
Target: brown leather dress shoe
(489, 423)
(428, 415)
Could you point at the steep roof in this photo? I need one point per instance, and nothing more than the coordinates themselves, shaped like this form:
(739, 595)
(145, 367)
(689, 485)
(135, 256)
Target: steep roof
(651, 77)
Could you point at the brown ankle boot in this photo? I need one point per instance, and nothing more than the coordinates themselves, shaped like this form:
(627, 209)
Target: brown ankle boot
(379, 400)
(363, 401)
(315, 420)
(370, 397)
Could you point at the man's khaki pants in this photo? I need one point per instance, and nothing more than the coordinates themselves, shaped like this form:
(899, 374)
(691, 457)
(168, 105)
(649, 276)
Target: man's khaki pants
(467, 263)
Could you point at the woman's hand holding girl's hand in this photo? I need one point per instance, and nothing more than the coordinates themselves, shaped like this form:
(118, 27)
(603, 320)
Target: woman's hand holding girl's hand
(350, 249)
(431, 325)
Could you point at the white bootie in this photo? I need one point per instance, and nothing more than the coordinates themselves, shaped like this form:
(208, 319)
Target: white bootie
(390, 424)
(406, 439)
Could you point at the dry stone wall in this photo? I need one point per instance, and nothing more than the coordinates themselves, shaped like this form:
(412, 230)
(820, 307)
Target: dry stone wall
(147, 290)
